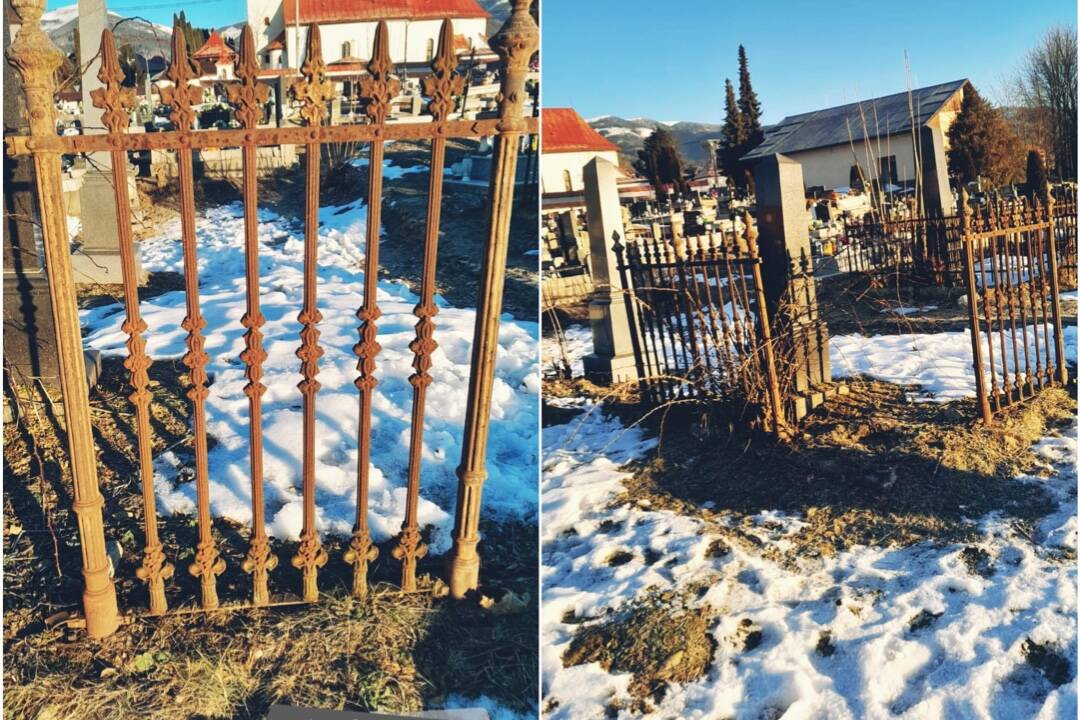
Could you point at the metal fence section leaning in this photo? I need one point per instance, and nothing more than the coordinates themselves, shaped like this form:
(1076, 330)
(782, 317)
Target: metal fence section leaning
(1013, 280)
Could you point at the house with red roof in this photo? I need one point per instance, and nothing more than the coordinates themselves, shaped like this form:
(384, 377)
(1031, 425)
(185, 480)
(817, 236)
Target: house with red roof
(215, 59)
(348, 31)
(567, 143)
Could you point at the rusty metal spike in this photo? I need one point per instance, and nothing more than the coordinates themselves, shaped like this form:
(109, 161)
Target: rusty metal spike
(379, 86)
(182, 95)
(113, 98)
(313, 90)
(443, 84)
(249, 94)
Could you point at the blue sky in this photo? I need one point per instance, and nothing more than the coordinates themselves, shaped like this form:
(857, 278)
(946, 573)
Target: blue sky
(668, 60)
(201, 13)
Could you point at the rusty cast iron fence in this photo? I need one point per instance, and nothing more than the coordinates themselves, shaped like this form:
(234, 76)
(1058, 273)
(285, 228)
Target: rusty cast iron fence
(1013, 280)
(36, 59)
(699, 328)
(929, 251)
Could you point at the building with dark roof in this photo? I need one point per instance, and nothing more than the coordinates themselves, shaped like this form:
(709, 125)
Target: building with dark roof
(874, 139)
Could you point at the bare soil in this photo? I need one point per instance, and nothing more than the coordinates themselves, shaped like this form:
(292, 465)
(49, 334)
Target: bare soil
(660, 638)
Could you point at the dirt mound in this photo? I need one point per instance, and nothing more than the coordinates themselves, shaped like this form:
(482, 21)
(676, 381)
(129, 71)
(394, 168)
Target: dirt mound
(656, 638)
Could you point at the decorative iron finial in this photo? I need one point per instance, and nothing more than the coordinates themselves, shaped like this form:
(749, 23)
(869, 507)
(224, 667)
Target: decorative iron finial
(379, 86)
(115, 99)
(36, 59)
(516, 42)
(443, 84)
(182, 95)
(249, 94)
(313, 90)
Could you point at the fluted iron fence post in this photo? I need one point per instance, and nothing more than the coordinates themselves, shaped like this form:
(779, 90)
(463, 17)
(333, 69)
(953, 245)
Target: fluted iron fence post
(36, 59)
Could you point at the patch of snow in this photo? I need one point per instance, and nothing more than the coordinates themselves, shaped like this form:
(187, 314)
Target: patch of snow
(966, 663)
(940, 363)
(510, 490)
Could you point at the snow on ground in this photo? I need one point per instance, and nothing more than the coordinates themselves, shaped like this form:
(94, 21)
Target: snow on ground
(967, 663)
(578, 344)
(939, 362)
(512, 454)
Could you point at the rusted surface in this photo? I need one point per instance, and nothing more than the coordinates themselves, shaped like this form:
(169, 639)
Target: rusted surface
(181, 96)
(36, 59)
(173, 140)
(698, 330)
(441, 86)
(116, 101)
(247, 96)
(1012, 271)
(516, 42)
(314, 91)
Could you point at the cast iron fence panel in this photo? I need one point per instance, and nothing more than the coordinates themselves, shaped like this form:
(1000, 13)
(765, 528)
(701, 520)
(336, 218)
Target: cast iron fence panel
(36, 59)
(929, 251)
(699, 326)
(1013, 281)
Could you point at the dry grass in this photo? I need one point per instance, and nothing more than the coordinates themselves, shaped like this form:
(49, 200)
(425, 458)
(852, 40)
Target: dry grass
(869, 468)
(392, 653)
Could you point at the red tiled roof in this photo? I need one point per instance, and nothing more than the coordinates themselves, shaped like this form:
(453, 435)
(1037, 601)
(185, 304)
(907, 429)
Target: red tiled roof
(566, 131)
(336, 11)
(277, 43)
(214, 48)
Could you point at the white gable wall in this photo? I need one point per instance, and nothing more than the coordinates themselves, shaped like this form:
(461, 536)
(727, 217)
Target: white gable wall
(830, 167)
(554, 165)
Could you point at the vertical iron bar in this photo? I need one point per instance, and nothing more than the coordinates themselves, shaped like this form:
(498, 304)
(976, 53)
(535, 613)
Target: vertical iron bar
(248, 96)
(973, 310)
(313, 91)
(441, 86)
(1055, 291)
(116, 100)
(181, 97)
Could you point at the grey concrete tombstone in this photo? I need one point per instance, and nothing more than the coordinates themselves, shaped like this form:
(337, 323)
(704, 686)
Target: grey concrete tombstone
(787, 265)
(937, 196)
(612, 359)
(98, 259)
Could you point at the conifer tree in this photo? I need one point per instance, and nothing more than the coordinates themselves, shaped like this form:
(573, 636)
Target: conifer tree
(661, 162)
(732, 135)
(981, 143)
(1036, 175)
(749, 105)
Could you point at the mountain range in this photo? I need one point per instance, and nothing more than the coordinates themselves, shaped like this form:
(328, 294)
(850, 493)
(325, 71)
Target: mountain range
(146, 39)
(629, 136)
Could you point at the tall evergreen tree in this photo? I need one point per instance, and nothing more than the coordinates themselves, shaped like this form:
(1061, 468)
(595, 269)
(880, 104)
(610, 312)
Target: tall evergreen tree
(732, 135)
(661, 162)
(749, 105)
(981, 143)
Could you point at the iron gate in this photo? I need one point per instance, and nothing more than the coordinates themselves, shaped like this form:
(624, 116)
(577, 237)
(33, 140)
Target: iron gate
(36, 59)
(1013, 281)
(698, 323)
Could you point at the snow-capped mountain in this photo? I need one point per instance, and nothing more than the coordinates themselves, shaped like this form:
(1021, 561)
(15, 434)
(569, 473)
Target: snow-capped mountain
(629, 135)
(147, 39)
